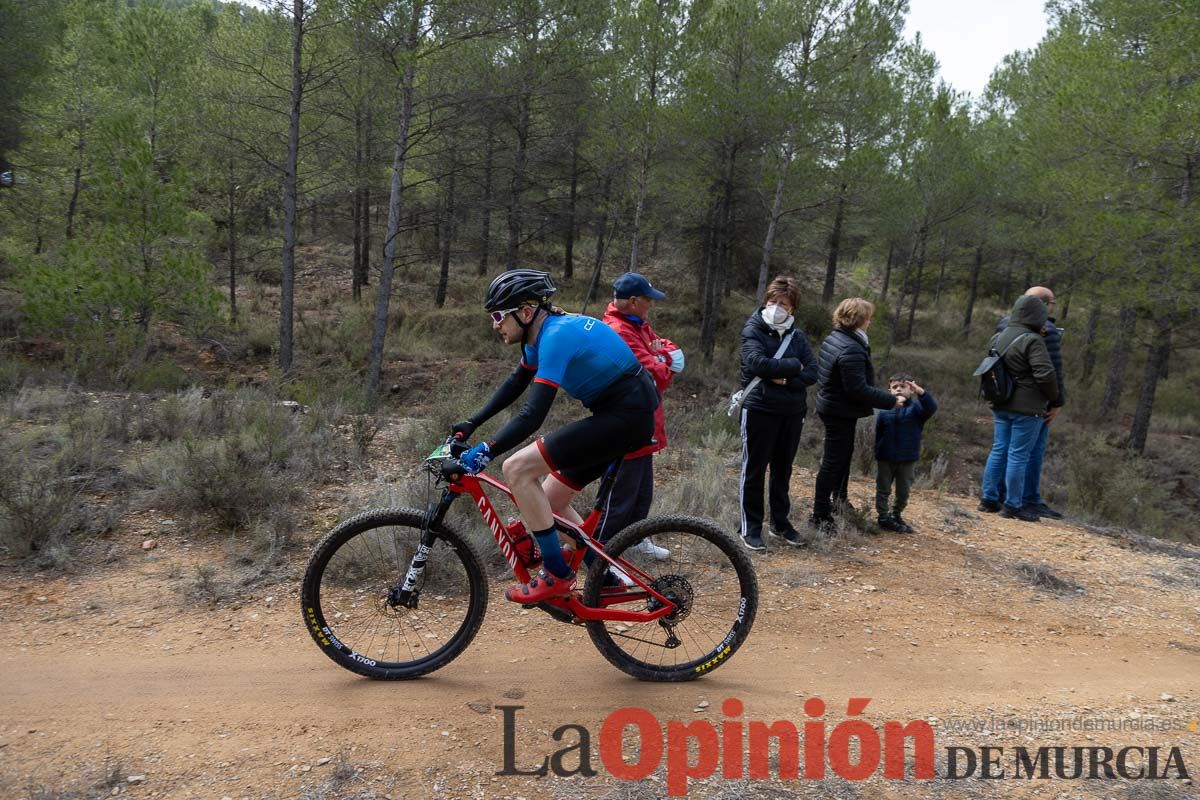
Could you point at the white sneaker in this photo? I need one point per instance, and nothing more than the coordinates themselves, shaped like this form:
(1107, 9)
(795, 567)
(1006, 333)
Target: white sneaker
(620, 575)
(647, 547)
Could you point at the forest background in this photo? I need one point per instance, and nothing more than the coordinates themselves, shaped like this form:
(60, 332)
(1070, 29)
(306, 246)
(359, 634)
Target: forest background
(237, 241)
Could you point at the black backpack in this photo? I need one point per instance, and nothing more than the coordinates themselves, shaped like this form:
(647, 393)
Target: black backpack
(996, 385)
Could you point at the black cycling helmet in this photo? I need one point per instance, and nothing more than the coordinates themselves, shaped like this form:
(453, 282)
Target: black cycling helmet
(519, 286)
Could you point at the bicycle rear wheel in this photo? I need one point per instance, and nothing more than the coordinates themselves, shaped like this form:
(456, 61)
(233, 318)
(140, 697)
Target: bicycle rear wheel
(707, 575)
(350, 591)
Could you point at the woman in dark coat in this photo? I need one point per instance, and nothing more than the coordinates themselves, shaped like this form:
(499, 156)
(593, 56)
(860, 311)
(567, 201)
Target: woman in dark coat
(773, 414)
(845, 393)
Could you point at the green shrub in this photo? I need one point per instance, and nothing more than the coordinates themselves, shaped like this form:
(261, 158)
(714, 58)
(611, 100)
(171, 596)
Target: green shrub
(158, 374)
(44, 403)
(695, 425)
(233, 479)
(363, 430)
(259, 337)
(1108, 485)
(702, 491)
(42, 505)
(1176, 396)
(236, 456)
(88, 450)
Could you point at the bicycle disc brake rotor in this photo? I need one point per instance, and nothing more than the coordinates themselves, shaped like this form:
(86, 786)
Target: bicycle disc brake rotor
(678, 590)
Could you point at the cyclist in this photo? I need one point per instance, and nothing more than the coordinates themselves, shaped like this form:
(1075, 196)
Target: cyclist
(589, 361)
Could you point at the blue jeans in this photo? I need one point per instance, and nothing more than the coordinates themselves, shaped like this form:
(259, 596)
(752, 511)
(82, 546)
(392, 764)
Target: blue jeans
(1033, 472)
(1014, 438)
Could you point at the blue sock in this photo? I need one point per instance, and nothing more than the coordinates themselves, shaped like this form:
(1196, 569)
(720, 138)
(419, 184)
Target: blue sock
(552, 559)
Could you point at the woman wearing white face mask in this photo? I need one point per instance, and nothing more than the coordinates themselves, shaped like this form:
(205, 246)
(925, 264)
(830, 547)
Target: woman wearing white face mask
(772, 416)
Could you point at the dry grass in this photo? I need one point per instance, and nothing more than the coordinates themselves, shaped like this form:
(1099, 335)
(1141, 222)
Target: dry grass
(1042, 577)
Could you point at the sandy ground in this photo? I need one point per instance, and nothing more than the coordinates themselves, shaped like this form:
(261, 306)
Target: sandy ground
(115, 682)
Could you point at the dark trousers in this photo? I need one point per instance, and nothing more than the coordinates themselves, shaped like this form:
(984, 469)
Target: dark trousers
(833, 478)
(768, 440)
(902, 473)
(629, 501)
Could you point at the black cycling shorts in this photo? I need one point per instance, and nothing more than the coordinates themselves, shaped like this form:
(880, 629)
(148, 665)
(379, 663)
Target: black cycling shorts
(622, 421)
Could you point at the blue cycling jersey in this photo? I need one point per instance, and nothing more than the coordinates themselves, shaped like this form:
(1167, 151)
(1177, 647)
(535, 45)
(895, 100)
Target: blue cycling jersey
(580, 355)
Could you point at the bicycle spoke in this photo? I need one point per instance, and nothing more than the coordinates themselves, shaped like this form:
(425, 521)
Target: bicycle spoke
(359, 579)
(704, 577)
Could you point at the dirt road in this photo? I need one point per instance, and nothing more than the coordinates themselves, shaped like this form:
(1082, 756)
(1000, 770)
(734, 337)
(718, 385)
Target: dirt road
(118, 671)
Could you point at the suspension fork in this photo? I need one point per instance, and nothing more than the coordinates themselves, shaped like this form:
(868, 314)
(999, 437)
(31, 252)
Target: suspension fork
(407, 593)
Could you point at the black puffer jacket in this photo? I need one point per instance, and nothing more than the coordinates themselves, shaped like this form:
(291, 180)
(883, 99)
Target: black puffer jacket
(846, 378)
(798, 365)
(1052, 336)
(1027, 360)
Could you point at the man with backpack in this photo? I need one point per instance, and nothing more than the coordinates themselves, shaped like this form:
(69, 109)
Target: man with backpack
(1052, 335)
(1021, 384)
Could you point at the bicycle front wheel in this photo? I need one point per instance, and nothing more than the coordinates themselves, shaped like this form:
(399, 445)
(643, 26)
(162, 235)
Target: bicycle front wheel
(354, 609)
(703, 572)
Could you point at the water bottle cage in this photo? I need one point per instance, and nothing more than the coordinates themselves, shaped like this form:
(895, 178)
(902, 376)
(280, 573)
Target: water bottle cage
(527, 551)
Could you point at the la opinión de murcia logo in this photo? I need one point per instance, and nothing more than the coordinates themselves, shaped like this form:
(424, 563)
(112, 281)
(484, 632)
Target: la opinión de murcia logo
(853, 749)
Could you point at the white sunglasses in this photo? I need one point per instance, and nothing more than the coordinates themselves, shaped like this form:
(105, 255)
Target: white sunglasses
(498, 316)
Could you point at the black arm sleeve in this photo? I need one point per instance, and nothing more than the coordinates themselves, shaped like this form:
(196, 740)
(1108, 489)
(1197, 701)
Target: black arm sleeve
(853, 366)
(758, 363)
(528, 419)
(809, 376)
(505, 394)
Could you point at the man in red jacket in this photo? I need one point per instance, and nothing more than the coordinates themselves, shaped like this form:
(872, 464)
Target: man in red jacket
(628, 314)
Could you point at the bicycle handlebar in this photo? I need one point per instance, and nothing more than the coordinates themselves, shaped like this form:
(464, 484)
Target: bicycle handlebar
(453, 469)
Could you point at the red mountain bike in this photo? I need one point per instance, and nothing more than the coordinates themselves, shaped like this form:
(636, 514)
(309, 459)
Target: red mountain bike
(397, 593)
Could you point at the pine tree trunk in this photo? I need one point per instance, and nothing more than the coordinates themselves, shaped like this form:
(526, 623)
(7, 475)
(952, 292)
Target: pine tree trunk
(447, 227)
(1006, 289)
(1165, 372)
(356, 216)
(288, 279)
(1156, 363)
(937, 295)
(1089, 341)
(712, 289)
(1118, 361)
(517, 187)
(904, 287)
(572, 197)
(602, 230)
(725, 274)
(912, 311)
(764, 270)
(232, 218)
(364, 268)
(887, 270)
(395, 206)
(76, 185)
(357, 210)
(1189, 177)
(485, 224)
(364, 276)
(716, 284)
(639, 203)
(707, 232)
(1064, 306)
(972, 291)
(835, 243)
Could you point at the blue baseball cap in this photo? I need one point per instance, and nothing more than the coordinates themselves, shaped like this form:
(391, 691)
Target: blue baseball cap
(635, 284)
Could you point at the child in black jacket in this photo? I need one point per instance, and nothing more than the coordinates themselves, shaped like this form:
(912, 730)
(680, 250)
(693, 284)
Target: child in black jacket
(897, 448)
